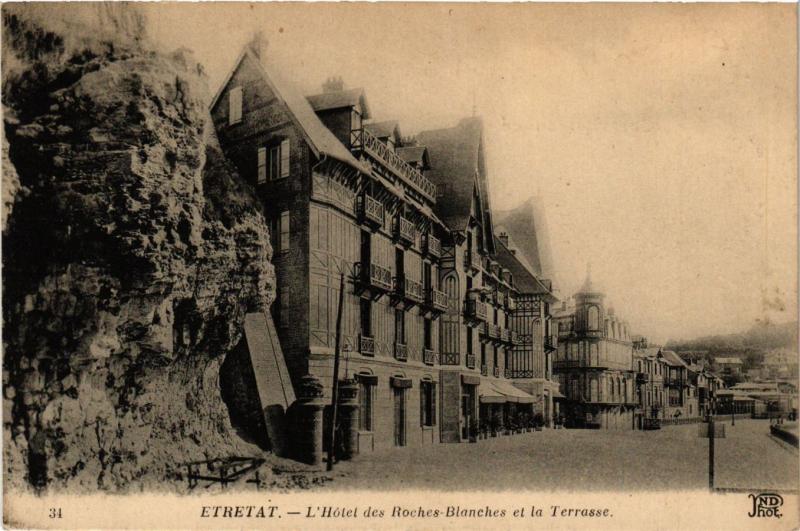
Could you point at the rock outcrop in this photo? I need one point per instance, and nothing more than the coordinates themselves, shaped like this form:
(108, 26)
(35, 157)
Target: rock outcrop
(132, 251)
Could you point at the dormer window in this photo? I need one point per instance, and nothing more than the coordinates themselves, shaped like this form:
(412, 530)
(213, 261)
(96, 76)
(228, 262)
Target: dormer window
(235, 105)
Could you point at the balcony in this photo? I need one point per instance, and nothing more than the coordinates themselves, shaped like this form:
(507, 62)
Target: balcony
(366, 345)
(642, 378)
(472, 260)
(549, 344)
(450, 358)
(428, 357)
(436, 300)
(400, 352)
(404, 231)
(470, 361)
(492, 331)
(432, 246)
(362, 141)
(373, 276)
(408, 290)
(496, 372)
(370, 210)
(476, 310)
(485, 370)
(505, 335)
(516, 339)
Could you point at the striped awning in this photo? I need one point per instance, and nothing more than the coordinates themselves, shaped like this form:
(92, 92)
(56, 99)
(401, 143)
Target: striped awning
(489, 394)
(512, 394)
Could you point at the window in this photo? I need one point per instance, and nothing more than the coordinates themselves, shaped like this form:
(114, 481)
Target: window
(428, 334)
(494, 357)
(483, 354)
(366, 317)
(283, 230)
(235, 105)
(365, 399)
(593, 317)
(400, 326)
(427, 402)
(262, 165)
(469, 340)
(285, 153)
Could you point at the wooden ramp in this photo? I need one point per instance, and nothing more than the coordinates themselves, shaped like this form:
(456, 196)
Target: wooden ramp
(274, 386)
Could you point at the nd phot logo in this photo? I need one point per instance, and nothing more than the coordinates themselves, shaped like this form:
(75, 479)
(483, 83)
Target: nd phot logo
(766, 505)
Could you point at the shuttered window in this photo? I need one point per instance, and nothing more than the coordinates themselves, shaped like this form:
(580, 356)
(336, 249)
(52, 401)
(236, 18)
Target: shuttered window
(235, 105)
(262, 165)
(284, 242)
(285, 158)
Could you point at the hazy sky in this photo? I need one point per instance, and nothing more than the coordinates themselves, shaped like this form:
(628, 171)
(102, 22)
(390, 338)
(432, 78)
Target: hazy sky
(661, 137)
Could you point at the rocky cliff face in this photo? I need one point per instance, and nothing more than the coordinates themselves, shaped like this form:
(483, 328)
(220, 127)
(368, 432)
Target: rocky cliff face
(131, 251)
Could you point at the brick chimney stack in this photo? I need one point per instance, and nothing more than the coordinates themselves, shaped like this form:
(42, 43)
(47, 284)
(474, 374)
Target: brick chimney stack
(333, 84)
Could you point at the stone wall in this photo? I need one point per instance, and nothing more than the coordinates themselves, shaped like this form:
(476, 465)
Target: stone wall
(131, 252)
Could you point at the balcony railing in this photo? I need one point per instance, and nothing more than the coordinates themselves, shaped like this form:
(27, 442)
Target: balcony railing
(485, 370)
(511, 304)
(492, 331)
(400, 352)
(408, 289)
(428, 357)
(404, 230)
(505, 335)
(364, 141)
(450, 358)
(496, 372)
(374, 276)
(366, 345)
(470, 361)
(437, 300)
(370, 210)
(476, 310)
(472, 260)
(433, 246)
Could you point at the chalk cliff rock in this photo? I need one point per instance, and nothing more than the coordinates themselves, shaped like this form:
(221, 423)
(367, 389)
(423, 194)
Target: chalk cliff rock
(132, 251)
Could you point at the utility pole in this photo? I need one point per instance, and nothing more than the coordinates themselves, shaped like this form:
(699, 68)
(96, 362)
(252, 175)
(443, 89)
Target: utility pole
(711, 435)
(335, 386)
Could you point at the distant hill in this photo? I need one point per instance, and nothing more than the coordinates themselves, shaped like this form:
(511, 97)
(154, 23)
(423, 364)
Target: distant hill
(750, 345)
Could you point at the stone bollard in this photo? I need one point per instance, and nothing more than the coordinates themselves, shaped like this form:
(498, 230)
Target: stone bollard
(349, 411)
(308, 421)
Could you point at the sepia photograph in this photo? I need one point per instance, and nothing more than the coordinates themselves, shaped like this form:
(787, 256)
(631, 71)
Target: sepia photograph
(399, 265)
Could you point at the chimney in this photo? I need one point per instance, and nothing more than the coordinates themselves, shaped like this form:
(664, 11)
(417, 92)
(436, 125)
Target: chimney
(259, 43)
(504, 238)
(333, 84)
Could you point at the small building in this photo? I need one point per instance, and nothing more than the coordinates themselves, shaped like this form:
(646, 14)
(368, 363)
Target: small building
(682, 402)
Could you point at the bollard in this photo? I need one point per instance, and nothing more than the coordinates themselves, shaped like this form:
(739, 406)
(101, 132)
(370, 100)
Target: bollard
(349, 408)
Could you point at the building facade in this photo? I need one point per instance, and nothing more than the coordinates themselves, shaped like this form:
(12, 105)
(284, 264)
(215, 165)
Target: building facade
(594, 364)
(428, 311)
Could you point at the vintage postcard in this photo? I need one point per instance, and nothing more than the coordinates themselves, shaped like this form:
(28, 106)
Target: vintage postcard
(399, 265)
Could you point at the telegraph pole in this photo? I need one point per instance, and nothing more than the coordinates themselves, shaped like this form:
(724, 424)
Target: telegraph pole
(335, 386)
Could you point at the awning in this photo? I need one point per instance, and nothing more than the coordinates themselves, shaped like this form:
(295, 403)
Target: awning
(513, 394)
(488, 394)
(470, 379)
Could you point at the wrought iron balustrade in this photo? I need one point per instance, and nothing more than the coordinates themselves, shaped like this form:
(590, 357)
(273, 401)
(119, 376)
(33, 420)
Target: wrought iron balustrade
(401, 351)
(366, 345)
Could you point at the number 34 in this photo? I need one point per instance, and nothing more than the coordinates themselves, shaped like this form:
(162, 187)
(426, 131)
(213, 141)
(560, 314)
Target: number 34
(54, 512)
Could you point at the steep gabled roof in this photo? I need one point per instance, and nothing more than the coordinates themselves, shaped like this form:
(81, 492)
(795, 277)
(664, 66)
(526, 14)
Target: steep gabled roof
(319, 138)
(523, 276)
(383, 130)
(340, 98)
(673, 359)
(458, 170)
(415, 154)
(527, 226)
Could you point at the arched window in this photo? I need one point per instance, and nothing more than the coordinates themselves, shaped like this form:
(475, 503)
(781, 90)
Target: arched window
(593, 318)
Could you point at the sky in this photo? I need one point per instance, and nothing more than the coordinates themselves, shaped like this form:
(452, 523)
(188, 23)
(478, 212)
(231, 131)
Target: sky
(661, 138)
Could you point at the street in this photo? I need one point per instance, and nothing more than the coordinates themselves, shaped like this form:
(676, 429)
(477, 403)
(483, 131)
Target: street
(671, 458)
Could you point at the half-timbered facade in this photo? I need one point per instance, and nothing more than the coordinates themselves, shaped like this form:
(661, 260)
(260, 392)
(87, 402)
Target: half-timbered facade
(343, 203)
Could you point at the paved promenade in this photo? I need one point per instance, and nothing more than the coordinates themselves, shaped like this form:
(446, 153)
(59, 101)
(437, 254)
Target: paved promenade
(671, 458)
